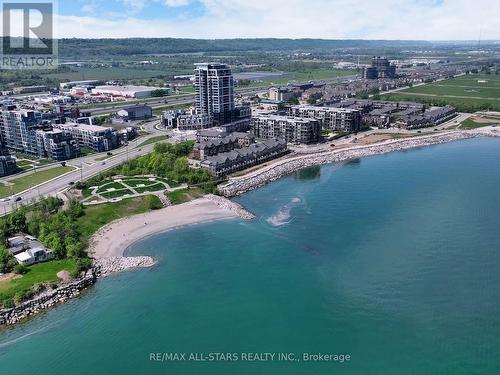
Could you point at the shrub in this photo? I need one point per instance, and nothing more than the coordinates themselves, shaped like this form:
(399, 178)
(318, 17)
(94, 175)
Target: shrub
(8, 303)
(153, 202)
(83, 264)
(21, 269)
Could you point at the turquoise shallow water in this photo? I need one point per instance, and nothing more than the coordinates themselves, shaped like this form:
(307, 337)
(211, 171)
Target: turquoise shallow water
(392, 259)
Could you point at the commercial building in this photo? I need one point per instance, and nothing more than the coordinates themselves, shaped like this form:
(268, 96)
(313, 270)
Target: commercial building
(96, 138)
(57, 144)
(238, 159)
(124, 91)
(380, 68)
(71, 84)
(136, 112)
(292, 129)
(339, 119)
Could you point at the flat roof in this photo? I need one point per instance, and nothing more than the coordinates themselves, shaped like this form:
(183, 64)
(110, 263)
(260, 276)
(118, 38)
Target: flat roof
(22, 257)
(125, 88)
(94, 128)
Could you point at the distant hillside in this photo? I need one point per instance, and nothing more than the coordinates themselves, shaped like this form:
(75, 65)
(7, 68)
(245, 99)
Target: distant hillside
(87, 49)
(94, 48)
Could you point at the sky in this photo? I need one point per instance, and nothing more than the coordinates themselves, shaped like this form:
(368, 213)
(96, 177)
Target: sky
(327, 19)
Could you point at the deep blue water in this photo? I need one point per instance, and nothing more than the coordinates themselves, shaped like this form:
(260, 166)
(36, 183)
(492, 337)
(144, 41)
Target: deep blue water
(392, 259)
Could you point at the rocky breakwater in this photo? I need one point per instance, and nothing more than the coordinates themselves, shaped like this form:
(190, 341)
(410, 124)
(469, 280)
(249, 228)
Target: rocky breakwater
(226, 204)
(239, 185)
(46, 300)
(106, 266)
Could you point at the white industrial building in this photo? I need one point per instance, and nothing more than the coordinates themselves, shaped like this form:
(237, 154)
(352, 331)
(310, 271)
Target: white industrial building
(124, 91)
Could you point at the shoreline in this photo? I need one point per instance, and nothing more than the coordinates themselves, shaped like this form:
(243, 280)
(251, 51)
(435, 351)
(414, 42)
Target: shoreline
(109, 245)
(253, 180)
(114, 239)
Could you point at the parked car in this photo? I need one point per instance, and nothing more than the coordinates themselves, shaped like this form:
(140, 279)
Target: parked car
(109, 153)
(5, 199)
(71, 183)
(18, 199)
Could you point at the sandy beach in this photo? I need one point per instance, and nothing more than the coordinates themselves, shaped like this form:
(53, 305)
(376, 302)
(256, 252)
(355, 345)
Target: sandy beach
(113, 239)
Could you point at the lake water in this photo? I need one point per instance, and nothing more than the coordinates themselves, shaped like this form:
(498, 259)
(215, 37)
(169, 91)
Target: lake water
(393, 260)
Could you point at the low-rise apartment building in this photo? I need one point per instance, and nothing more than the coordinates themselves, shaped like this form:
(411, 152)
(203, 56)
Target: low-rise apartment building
(57, 144)
(333, 118)
(295, 130)
(96, 138)
(18, 129)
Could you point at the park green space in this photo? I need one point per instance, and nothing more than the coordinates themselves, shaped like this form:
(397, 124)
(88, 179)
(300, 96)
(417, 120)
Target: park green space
(117, 193)
(454, 90)
(302, 76)
(110, 185)
(471, 124)
(153, 187)
(122, 187)
(464, 92)
(19, 184)
(101, 214)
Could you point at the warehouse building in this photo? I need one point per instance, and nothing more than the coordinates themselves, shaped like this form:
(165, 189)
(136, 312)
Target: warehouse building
(136, 112)
(124, 91)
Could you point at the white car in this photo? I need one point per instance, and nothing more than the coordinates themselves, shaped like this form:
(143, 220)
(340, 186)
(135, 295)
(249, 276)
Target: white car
(4, 199)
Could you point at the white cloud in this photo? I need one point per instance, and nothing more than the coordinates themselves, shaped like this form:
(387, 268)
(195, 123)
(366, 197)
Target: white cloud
(177, 3)
(328, 19)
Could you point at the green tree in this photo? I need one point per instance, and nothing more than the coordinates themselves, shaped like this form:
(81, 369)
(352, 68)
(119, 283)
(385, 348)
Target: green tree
(7, 260)
(17, 220)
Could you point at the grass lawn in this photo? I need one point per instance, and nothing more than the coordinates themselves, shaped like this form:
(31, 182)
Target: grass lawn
(117, 193)
(38, 273)
(442, 89)
(471, 124)
(464, 92)
(154, 187)
(133, 182)
(462, 104)
(184, 195)
(19, 184)
(101, 214)
(84, 151)
(103, 157)
(170, 183)
(158, 138)
(110, 185)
